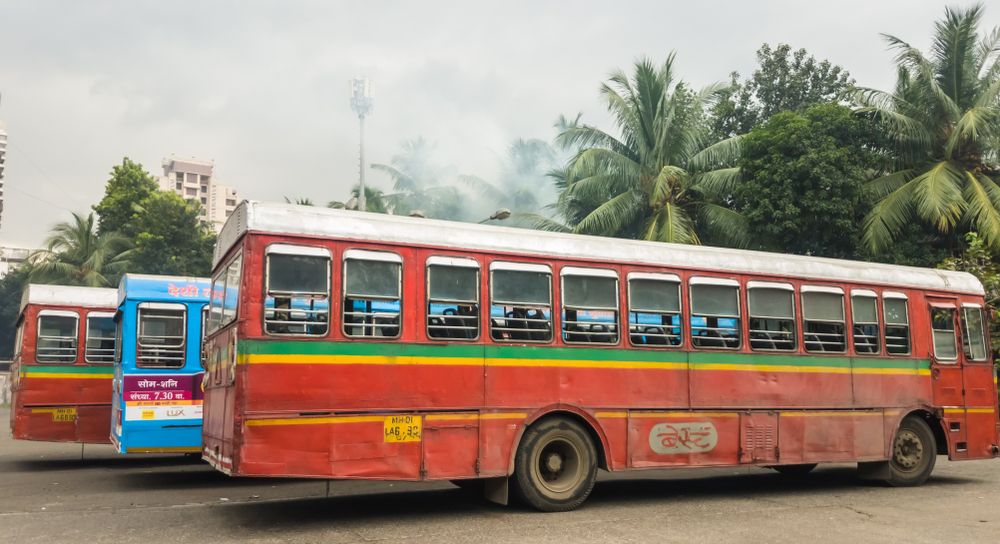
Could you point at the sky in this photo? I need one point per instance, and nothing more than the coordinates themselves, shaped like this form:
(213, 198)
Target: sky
(261, 88)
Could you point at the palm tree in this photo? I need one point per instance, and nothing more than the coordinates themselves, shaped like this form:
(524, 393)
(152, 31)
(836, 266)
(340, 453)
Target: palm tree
(521, 183)
(419, 183)
(75, 254)
(301, 201)
(942, 127)
(375, 200)
(658, 180)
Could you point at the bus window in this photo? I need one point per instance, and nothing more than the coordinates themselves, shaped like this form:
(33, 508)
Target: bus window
(589, 306)
(297, 288)
(18, 336)
(372, 293)
(654, 306)
(232, 291)
(452, 298)
(521, 302)
(100, 343)
(943, 326)
(715, 313)
(864, 322)
(57, 336)
(973, 338)
(897, 325)
(161, 339)
(772, 316)
(823, 319)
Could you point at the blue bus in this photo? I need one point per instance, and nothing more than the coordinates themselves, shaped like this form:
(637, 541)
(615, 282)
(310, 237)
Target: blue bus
(157, 394)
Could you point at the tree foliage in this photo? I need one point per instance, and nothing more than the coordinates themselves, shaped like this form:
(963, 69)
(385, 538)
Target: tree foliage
(978, 260)
(171, 239)
(420, 183)
(656, 180)
(75, 254)
(802, 182)
(942, 128)
(11, 289)
(128, 186)
(785, 80)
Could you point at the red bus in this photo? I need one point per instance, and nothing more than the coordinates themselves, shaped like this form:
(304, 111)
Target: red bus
(354, 345)
(62, 367)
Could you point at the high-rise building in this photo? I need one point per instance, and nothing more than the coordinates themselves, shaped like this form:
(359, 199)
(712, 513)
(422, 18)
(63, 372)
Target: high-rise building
(11, 258)
(193, 179)
(3, 159)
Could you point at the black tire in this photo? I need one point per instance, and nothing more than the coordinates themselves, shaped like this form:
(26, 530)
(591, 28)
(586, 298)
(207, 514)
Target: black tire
(913, 454)
(794, 471)
(555, 466)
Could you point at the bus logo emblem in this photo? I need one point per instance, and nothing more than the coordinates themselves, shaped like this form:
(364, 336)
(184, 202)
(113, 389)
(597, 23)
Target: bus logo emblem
(674, 438)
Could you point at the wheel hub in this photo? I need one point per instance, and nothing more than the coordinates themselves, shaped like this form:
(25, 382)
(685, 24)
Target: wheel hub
(554, 463)
(908, 451)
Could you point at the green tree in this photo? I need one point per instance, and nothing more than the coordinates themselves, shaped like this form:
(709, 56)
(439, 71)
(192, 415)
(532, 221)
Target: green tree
(978, 260)
(11, 288)
(942, 128)
(802, 182)
(522, 181)
(420, 183)
(128, 186)
(785, 80)
(75, 254)
(657, 180)
(301, 201)
(170, 237)
(376, 201)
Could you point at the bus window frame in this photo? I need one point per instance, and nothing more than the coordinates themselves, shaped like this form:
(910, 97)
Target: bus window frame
(520, 266)
(955, 331)
(896, 295)
(166, 306)
(593, 273)
(38, 333)
(99, 315)
(694, 281)
(377, 255)
(982, 333)
(831, 290)
(630, 309)
(773, 286)
(211, 326)
(281, 248)
(452, 262)
(879, 319)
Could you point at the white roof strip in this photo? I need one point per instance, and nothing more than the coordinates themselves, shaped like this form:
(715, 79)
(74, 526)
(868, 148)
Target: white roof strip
(863, 293)
(654, 276)
(291, 249)
(365, 255)
(894, 294)
(58, 313)
(452, 261)
(101, 314)
(66, 295)
(162, 306)
(971, 305)
(594, 272)
(313, 222)
(822, 289)
(704, 280)
(769, 285)
(521, 267)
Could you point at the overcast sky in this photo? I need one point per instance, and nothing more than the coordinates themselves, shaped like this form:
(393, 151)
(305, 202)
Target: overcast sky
(261, 88)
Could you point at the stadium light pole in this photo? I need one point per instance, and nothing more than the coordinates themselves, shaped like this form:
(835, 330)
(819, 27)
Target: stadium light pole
(361, 103)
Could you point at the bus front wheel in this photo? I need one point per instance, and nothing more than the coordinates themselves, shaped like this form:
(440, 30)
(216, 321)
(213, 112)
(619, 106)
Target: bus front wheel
(913, 454)
(556, 465)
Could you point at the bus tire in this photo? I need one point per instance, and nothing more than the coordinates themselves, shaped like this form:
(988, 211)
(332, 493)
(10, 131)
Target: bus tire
(794, 471)
(555, 467)
(913, 454)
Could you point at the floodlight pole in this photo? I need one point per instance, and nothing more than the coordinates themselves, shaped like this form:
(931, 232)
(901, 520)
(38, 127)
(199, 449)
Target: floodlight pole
(361, 103)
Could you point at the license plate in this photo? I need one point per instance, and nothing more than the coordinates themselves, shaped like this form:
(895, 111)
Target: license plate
(64, 414)
(403, 428)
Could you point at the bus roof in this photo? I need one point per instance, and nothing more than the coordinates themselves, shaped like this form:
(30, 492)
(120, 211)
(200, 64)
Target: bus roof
(68, 295)
(310, 221)
(163, 288)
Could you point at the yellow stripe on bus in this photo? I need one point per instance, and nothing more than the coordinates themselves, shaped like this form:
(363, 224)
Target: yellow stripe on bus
(960, 411)
(829, 413)
(379, 418)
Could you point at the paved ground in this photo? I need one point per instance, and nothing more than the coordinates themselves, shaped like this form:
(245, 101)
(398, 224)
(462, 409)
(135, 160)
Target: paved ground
(48, 494)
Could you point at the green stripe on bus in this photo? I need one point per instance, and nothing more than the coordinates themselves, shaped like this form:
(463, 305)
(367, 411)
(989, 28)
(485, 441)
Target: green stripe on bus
(70, 369)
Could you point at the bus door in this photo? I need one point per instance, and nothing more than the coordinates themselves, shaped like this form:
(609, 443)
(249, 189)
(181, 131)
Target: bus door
(947, 365)
(977, 375)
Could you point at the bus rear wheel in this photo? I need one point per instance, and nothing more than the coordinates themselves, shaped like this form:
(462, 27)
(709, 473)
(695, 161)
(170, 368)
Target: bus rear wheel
(555, 467)
(914, 453)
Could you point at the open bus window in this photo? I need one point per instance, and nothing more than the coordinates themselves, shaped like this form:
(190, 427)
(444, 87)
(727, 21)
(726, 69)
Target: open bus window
(521, 302)
(589, 306)
(101, 338)
(943, 327)
(715, 313)
(654, 306)
(161, 336)
(864, 322)
(372, 294)
(973, 337)
(222, 304)
(57, 337)
(896, 323)
(18, 337)
(452, 298)
(297, 300)
(772, 316)
(823, 319)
